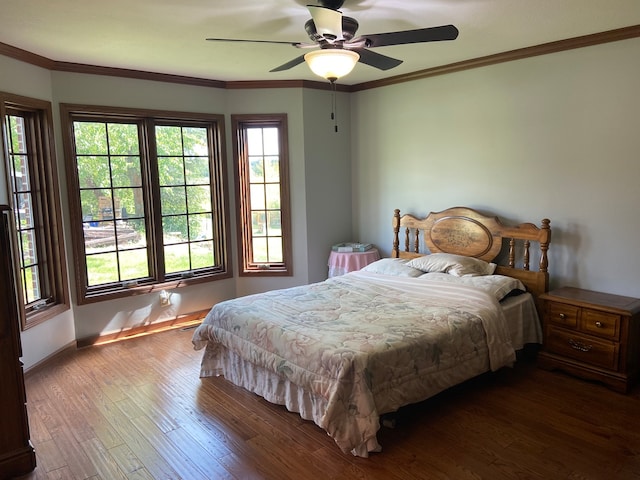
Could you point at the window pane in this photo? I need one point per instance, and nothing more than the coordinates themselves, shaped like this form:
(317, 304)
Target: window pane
(275, 249)
(260, 250)
(195, 141)
(197, 170)
(126, 200)
(24, 214)
(200, 227)
(28, 248)
(275, 223)
(93, 172)
(100, 236)
(168, 140)
(140, 229)
(256, 170)
(257, 197)
(258, 224)
(31, 284)
(273, 196)
(90, 201)
(199, 199)
(173, 200)
(171, 170)
(20, 173)
(128, 236)
(174, 229)
(126, 171)
(123, 139)
(17, 131)
(90, 138)
(271, 141)
(254, 141)
(176, 258)
(201, 255)
(102, 268)
(272, 169)
(133, 264)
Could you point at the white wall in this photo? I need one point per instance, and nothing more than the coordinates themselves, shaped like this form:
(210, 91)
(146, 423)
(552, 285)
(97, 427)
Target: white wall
(56, 334)
(554, 136)
(328, 178)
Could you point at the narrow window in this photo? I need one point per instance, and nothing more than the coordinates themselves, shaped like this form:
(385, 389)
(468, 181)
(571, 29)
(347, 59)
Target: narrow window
(151, 197)
(261, 160)
(33, 188)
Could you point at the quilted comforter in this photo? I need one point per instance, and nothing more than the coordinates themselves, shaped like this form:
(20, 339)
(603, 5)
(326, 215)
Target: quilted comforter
(354, 347)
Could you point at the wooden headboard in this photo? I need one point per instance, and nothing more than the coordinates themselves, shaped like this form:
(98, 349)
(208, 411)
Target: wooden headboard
(464, 231)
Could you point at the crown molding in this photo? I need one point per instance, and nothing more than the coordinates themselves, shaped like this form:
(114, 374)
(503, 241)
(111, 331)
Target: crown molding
(26, 56)
(511, 55)
(624, 33)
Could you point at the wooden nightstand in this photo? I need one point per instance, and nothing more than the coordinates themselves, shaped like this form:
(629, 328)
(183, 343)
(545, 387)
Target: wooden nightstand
(593, 335)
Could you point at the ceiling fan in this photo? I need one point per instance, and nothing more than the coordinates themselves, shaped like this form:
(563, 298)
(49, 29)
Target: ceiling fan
(340, 48)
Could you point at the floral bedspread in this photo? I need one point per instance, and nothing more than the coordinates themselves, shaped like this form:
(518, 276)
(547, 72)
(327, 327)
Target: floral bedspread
(362, 344)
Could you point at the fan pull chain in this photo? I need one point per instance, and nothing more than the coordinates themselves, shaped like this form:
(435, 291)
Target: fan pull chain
(334, 109)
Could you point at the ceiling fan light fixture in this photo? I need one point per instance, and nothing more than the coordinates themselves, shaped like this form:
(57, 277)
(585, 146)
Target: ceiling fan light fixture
(331, 63)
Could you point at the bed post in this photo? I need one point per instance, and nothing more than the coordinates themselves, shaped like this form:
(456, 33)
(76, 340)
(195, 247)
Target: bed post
(545, 238)
(396, 229)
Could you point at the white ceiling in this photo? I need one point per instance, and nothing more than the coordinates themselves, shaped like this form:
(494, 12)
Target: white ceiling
(168, 36)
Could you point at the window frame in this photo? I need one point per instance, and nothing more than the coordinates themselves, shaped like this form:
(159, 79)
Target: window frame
(247, 267)
(45, 188)
(147, 120)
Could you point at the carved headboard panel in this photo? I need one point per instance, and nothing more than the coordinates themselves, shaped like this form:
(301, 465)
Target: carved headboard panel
(465, 231)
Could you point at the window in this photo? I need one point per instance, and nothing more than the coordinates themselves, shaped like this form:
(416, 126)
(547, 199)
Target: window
(148, 199)
(34, 197)
(262, 179)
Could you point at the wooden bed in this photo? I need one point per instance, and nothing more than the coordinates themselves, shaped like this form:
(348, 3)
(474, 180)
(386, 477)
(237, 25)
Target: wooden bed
(464, 231)
(345, 351)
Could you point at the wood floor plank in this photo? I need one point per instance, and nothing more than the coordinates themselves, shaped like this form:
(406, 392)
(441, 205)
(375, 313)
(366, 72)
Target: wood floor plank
(102, 460)
(198, 454)
(138, 410)
(180, 461)
(141, 447)
(126, 459)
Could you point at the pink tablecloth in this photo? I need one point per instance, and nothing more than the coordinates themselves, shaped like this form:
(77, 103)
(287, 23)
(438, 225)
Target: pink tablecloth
(341, 263)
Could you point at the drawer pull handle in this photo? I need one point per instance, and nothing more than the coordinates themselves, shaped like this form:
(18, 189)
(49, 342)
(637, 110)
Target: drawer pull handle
(579, 346)
(599, 324)
(562, 316)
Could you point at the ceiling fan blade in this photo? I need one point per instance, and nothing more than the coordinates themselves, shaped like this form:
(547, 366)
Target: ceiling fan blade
(289, 64)
(374, 59)
(328, 22)
(238, 40)
(431, 34)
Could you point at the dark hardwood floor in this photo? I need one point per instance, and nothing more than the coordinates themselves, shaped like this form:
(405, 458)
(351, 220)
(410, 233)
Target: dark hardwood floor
(136, 409)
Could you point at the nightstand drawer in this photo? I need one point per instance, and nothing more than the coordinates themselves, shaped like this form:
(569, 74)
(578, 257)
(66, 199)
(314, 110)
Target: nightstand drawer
(562, 314)
(583, 348)
(600, 323)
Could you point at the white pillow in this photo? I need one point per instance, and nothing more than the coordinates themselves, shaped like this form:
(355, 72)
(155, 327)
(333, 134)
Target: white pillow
(452, 264)
(500, 286)
(392, 266)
